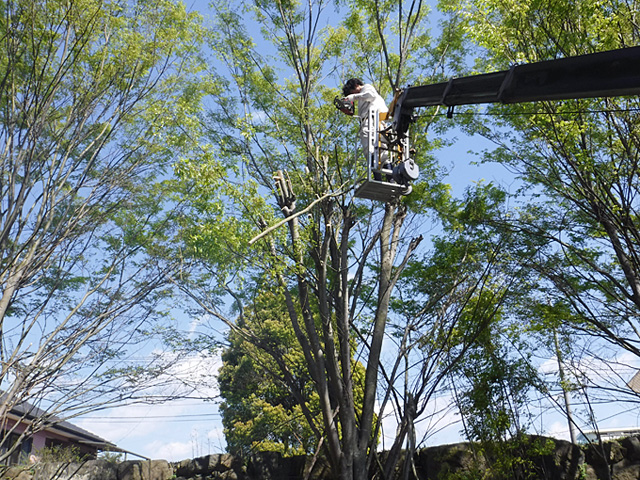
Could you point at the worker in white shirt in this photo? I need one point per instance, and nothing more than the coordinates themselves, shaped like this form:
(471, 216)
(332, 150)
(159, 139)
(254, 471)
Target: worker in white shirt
(367, 97)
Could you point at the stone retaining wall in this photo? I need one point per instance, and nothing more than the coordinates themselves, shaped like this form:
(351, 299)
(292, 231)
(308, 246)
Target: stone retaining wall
(620, 460)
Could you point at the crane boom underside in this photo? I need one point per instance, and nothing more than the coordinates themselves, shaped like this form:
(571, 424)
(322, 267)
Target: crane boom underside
(603, 74)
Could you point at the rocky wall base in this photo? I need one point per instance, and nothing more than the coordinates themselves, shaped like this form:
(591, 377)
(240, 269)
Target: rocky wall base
(619, 460)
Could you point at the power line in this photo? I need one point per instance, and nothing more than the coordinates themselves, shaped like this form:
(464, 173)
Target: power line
(169, 418)
(524, 114)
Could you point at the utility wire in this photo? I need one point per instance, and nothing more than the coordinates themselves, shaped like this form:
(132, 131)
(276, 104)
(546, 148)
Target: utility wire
(528, 114)
(166, 418)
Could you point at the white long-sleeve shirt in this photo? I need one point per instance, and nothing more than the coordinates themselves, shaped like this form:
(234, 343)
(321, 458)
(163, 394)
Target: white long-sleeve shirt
(367, 98)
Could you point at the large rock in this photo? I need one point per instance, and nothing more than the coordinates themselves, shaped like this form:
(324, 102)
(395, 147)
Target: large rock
(15, 473)
(145, 470)
(625, 472)
(631, 446)
(602, 459)
(274, 466)
(208, 465)
(564, 462)
(224, 463)
(263, 465)
(438, 462)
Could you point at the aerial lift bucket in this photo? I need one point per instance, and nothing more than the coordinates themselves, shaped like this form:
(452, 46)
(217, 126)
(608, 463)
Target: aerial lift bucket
(389, 168)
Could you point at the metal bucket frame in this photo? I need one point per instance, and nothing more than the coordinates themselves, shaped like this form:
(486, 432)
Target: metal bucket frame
(382, 190)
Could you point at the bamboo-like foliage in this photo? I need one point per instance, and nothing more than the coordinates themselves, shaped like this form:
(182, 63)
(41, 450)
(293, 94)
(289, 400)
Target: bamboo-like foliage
(86, 88)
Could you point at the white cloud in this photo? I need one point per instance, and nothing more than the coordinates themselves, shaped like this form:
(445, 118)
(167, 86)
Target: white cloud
(171, 451)
(173, 430)
(558, 430)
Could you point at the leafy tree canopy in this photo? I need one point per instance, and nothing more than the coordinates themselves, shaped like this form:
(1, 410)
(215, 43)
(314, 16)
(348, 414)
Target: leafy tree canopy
(97, 100)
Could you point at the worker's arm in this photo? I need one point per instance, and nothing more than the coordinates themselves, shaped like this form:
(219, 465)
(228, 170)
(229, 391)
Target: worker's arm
(367, 92)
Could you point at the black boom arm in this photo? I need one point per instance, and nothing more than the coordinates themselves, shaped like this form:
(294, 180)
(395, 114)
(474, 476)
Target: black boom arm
(605, 74)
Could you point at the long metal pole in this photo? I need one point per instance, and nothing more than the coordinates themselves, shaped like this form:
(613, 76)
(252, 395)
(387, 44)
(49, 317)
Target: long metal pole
(565, 390)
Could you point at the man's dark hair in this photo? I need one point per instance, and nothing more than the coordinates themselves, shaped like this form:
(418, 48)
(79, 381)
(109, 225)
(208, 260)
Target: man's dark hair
(351, 84)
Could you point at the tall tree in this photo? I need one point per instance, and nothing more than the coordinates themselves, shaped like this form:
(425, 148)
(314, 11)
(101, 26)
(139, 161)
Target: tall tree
(284, 178)
(87, 89)
(578, 163)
